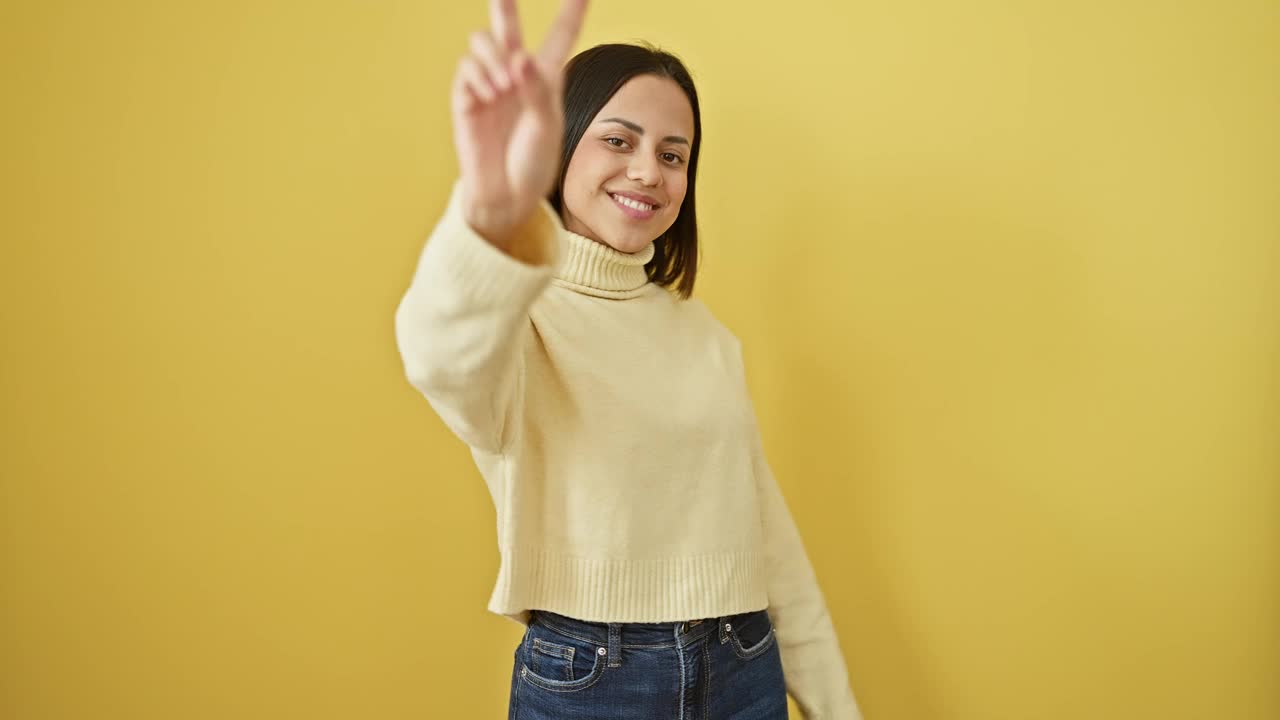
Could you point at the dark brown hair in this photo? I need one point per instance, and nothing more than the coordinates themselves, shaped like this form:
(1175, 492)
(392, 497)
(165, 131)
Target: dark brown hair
(592, 77)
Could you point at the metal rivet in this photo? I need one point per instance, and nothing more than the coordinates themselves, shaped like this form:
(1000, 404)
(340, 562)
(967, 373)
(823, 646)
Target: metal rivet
(524, 671)
(727, 626)
(602, 651)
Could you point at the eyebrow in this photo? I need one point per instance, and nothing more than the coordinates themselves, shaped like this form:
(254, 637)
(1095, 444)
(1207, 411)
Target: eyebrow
(640, 131)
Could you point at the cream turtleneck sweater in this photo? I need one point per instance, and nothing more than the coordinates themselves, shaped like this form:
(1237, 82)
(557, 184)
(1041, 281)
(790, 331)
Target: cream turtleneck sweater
(612, 424)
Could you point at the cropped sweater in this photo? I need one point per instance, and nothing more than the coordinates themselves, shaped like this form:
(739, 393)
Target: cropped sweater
(612, 424)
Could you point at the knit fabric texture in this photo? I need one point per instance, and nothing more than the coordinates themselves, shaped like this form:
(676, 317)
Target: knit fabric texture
(612, 424)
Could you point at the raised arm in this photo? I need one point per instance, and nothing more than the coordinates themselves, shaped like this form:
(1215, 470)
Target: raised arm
(460, 325)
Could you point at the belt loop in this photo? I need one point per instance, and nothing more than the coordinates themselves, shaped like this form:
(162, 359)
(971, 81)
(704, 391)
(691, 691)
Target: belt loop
(615, 644)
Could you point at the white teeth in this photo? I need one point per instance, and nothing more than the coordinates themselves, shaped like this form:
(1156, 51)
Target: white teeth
(632, 203)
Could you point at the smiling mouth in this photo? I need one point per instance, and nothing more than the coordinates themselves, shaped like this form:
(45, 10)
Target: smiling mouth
(635, 207)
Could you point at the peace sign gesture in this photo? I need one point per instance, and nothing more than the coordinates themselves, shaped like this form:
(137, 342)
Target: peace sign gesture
(508, 118)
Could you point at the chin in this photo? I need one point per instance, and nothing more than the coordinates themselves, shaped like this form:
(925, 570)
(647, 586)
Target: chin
(629, 245)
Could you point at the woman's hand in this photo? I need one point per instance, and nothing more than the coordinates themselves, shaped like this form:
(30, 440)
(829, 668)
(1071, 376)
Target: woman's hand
(508, 119)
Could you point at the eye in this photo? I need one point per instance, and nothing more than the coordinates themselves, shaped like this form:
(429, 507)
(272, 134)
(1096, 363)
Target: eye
(675, 159)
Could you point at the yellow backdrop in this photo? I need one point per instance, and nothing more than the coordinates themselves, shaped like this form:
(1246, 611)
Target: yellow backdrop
(1006, 275)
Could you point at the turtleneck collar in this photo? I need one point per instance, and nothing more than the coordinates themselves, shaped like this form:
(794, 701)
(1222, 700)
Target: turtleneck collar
(597, 269)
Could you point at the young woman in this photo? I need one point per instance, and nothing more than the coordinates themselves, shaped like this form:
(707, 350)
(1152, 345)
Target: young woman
(644, 543)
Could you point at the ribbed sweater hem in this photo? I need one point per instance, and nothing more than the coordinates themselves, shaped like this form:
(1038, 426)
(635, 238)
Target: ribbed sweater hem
(601, 589)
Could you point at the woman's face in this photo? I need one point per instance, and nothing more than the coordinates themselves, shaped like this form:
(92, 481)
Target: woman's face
(638, 145)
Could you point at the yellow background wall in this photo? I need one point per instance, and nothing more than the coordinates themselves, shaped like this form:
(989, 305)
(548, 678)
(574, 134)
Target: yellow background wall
(1007, 275)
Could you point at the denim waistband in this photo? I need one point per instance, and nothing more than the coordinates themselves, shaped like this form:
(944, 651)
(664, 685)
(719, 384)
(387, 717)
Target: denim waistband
(633, 633)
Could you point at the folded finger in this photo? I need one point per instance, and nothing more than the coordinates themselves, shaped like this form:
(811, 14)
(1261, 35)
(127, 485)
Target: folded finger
(493, 60)
(475, 79)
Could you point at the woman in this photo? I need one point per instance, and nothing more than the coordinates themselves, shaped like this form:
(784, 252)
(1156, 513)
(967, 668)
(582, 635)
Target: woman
(645, 545)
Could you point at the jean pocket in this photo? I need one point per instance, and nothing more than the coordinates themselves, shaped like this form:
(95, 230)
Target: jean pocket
(551, 660)
(559, 662)
(750, 634)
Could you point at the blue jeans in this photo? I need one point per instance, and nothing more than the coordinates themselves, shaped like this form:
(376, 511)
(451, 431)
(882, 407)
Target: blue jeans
(708, 669)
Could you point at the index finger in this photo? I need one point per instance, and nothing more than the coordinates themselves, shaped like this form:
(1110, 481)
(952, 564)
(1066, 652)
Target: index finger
(506, 23)
(563, 34)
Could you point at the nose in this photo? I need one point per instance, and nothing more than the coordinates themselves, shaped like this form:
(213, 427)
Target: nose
(644, 168)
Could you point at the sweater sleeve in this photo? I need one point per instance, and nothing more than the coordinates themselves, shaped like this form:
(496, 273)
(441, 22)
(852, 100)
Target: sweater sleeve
(812, 662)
(461, 323)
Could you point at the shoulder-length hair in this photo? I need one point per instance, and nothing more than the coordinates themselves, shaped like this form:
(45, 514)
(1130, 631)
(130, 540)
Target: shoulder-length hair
(591, 79)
